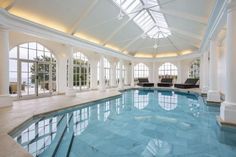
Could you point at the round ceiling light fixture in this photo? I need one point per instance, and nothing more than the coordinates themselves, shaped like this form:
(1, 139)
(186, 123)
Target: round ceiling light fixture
(155, 46)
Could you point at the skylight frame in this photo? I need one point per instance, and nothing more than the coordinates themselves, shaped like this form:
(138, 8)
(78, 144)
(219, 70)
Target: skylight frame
(155, 22)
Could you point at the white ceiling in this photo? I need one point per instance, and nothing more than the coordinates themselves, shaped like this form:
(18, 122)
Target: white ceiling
(97, 20)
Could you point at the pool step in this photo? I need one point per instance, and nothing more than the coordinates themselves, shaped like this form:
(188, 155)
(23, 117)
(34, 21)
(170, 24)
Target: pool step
(66, 142)
(61, 130)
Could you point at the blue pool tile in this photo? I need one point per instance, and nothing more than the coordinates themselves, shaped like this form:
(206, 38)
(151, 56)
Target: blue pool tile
(138, 124)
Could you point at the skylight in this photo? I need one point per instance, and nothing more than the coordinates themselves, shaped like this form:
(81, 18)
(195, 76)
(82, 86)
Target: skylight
(146, 14)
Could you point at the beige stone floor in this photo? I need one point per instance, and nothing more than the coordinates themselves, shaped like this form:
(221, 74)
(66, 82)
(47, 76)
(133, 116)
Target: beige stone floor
(12, 117)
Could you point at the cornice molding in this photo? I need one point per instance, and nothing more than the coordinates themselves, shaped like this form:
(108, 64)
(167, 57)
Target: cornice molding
(15, 23)
(216, 16)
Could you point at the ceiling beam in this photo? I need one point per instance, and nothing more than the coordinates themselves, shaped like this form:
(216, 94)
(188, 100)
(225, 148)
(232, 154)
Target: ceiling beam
(120, 28)
(75, 26)
(182, 32)
(184, 15)
(187, 41)
(185, 33)
(135, 39)
(7, 4)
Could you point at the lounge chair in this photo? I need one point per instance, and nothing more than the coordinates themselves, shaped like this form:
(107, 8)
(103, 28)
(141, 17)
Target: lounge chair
(143, 82)
(165, 82)
(189, 83)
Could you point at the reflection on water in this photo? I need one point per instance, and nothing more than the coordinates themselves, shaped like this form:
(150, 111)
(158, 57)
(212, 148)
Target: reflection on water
(134, 124)
(39, 135)
(194, 106)
(80, 120)
(141, 99)
(167, 100)
(156, 147)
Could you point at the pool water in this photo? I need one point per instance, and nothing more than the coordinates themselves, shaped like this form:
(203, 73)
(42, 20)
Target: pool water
(140, 123)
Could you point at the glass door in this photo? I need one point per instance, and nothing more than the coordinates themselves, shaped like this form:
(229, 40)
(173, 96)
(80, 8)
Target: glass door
(36, 79)
(44, 79)
(28, 79)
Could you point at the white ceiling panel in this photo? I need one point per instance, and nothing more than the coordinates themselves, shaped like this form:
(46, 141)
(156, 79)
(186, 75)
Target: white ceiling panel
(184, 21)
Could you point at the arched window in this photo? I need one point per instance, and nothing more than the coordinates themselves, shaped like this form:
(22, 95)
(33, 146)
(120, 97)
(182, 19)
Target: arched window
(194, 71)
(81, 71)
(32, 70)
(141, 71)
(168, 70)
(107, 69)
(118, 72)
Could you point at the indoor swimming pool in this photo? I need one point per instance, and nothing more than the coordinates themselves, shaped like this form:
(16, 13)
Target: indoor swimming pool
(139, 123)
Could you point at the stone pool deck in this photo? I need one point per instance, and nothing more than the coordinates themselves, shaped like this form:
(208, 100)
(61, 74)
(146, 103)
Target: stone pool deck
(12, 117)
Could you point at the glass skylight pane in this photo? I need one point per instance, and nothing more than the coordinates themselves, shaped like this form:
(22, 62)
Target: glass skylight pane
(154, 2)
(143, 22)
(138, 16)
(126, 4)
(141, 19)
(144, 19)
(133, 6)
(148, 24)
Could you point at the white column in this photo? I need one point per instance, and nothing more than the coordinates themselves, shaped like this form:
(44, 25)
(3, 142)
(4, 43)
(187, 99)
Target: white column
(132, 74)
(201, 71)
(5, 99)
(213, 94)
(70, 91)
(101, 74)
(180, 72)
(121, 83)
(150, 67)
(204, 72)
(113, 74)
(70, 68)
(155, 74)
(93, 74)
(126, 81)
(62, 74)
(228, 108)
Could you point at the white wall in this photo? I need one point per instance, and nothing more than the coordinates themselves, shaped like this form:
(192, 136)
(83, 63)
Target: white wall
(62, 51)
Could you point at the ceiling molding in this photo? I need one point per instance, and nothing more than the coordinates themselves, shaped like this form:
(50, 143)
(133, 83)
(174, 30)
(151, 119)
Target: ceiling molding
(7, 4)
(214, 24)
(193, 55)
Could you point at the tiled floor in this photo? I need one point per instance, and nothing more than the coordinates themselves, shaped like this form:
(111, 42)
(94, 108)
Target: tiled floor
(11, 117)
